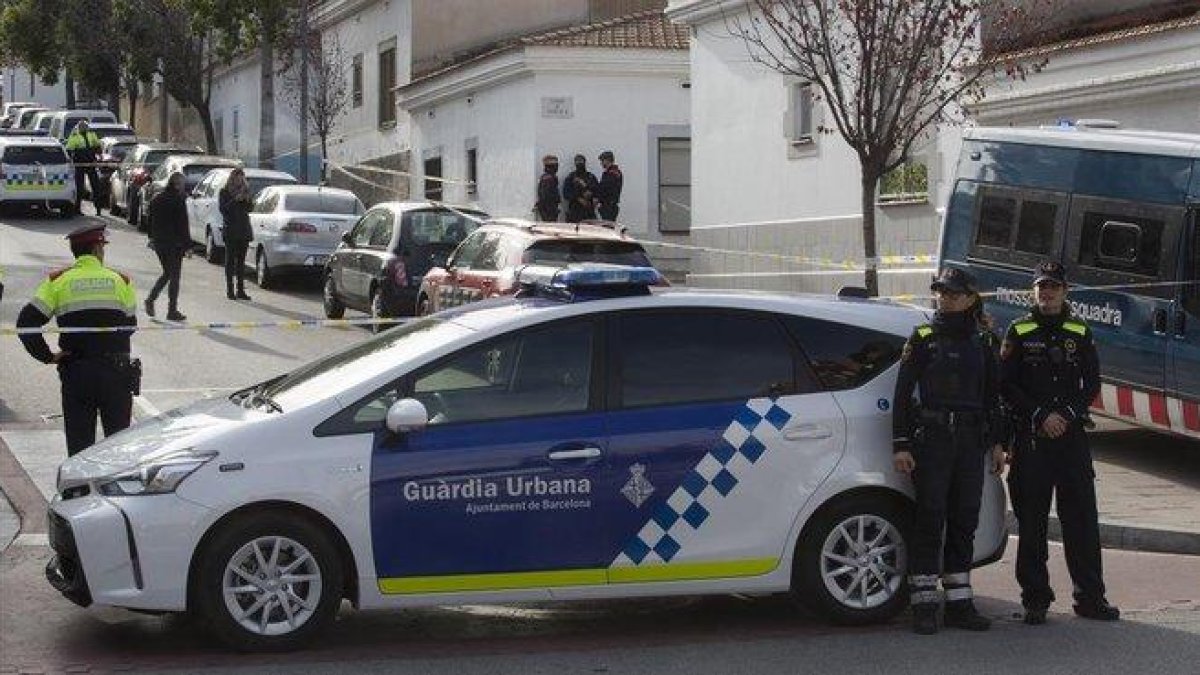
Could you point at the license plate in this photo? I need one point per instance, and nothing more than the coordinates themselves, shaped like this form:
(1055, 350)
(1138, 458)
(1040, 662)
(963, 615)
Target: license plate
(317, 259)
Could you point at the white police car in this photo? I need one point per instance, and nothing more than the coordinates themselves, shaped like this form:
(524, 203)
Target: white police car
(602, 442)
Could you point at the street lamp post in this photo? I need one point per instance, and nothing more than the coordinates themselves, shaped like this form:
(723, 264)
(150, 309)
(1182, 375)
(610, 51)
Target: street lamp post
(304, 91)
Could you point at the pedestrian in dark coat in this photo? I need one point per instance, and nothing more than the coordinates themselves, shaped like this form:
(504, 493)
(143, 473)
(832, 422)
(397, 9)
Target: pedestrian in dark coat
(548, 197)
(235, 203)
(171, 241)
(579, 191)
(608, 194)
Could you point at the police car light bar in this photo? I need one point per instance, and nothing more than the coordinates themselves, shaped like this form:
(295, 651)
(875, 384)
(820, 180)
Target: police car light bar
(586, 281)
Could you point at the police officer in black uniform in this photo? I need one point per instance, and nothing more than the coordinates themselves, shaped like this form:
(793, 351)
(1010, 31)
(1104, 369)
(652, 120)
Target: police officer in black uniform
(98, 376)
(1050, 374)
(579, 192)
(608, 192)
(942, 442)
(548, 197)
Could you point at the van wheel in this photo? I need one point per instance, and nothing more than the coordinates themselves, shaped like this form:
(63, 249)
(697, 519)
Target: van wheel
(67, 211)
(262, 271)
(851, 561)
(212, 253)
(334, 309)
(268, 582)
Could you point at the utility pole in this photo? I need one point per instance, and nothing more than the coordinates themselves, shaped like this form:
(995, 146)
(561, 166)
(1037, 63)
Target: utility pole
(303, 91)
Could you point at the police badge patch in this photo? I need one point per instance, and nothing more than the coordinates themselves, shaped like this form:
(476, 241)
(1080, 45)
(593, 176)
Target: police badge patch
(1069, 344)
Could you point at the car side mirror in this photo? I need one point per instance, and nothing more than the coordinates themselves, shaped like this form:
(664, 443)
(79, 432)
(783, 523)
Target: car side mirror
(346, 239)
(407, 415)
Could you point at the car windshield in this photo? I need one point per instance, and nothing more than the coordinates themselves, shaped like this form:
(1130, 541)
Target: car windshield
(360, 362)
(194, 172)
(568, 251)
(109, 133)
(257, 184)
(424, 228)
(119, 150)
(155, 157)
(33, 154)
(324, 202)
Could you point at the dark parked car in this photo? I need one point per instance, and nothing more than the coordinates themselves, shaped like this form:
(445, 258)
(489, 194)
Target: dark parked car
(126, 182)
(379, 265)
(193, 167)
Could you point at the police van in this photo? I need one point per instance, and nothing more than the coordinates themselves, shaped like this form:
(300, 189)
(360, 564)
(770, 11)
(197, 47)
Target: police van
(36, 172)
(1118, 208)
(592, 440)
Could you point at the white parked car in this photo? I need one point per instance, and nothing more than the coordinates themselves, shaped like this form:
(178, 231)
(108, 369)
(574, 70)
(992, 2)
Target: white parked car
(544, 447)
(204, 211)
(297, 227)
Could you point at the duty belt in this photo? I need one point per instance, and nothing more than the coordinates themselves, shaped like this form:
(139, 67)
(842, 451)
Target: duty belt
(951, 418)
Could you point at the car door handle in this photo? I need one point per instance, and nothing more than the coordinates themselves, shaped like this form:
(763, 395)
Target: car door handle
(588, 452)
(807, 432)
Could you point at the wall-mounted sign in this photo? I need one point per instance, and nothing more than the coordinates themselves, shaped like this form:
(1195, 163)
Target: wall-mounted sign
(558, 107)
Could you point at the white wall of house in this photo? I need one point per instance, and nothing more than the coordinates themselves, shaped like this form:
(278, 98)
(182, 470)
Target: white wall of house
(617, 99)
(757, 197)
(1151, 81)
(363, 28)
(20, 85)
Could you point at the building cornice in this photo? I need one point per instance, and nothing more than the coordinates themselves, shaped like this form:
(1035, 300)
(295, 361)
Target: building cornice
(333, 11)
(693, 12)
(528, 61)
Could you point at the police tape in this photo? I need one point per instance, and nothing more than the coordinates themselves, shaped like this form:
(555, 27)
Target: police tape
(158, 325)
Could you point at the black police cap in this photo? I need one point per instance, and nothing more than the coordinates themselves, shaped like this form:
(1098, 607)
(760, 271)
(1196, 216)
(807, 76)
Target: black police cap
(1050, 270)
(954, 280)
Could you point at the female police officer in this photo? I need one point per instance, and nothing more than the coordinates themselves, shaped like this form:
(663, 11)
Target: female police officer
(941, 442)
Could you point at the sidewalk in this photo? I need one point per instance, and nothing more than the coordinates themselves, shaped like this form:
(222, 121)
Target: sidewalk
(1148, 487)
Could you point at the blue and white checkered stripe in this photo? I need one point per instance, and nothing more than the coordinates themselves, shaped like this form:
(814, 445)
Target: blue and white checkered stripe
(752, 433)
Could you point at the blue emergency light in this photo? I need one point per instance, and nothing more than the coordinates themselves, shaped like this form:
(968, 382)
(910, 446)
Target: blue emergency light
(586, 281)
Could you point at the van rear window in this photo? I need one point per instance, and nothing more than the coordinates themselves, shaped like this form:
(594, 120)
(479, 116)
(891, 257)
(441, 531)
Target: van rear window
(31, 154)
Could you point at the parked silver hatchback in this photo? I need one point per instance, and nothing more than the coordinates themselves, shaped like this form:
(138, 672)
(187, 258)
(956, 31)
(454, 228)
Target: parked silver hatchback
(296, 227)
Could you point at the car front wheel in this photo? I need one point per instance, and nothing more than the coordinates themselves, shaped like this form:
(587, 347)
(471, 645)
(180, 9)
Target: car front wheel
(851, 561)
(268, 582)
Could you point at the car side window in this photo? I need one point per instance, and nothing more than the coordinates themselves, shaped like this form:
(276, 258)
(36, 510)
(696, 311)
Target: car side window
(841, 355)
(464, 257)
(681, 356)
(362, 231)
(381, 231)
(491, 255)
(264, 203)
(543, 371)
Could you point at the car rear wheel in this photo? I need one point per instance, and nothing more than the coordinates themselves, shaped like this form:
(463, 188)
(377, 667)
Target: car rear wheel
(268, 582)
(851, 561)
(262, 270)
(334, 309)
(212, 253)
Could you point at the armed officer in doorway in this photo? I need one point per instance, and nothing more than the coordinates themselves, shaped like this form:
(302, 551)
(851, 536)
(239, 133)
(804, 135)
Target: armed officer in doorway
(1050, 374)
(943, 443)
(98, 376)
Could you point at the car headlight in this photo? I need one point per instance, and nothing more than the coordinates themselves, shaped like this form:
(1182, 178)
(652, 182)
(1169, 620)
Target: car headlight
(155, 477)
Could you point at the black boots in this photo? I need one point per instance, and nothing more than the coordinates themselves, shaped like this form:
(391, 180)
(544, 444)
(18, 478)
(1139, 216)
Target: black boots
(962, 614)
(1099, 610)
(240, 295)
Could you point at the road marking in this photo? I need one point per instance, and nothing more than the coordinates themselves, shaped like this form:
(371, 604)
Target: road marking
(146, 406)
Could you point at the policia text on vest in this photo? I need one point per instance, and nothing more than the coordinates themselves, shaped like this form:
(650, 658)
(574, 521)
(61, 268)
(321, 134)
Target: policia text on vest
(98, 376)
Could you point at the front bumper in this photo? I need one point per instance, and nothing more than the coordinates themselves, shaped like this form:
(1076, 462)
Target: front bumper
(132, 552)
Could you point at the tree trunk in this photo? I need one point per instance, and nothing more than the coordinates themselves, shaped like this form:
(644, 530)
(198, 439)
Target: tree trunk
(133, 99)
(210, 135)
(266, 114)
(69, 83)
(870, 182)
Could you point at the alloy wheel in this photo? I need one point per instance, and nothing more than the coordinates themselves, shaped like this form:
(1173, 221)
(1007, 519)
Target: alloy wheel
(272, 585)
(862, 561)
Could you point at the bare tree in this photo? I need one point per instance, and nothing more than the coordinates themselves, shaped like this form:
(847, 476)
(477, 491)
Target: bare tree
(888, 71)
(328, 89)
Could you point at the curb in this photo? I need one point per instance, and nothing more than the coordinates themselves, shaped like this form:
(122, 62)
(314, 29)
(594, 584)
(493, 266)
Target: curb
(1128, 537)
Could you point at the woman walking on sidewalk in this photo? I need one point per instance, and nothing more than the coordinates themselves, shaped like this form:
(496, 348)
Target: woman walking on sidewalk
(171, 241)
(235, 202)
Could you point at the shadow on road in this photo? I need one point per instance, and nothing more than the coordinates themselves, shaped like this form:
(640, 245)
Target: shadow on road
(244, 345)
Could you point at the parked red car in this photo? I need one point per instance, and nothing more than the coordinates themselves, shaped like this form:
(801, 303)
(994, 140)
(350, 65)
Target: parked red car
(485, 264)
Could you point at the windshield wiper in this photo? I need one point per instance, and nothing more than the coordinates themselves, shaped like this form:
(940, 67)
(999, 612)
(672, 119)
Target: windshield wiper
(259, 397)
(254, 396)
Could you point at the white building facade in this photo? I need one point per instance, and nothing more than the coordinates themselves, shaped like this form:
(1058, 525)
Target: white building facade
(18, 84)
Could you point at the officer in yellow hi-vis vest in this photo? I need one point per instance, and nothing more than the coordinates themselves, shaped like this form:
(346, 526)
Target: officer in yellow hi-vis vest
(97, 373)
(83, 145)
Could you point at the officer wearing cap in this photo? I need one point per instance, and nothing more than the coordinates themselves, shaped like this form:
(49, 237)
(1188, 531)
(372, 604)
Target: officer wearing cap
(548, 197)
(608, 193)
(942, 443)
(83, 145)
(579, 191)
(98, 376)
(1050, 374)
